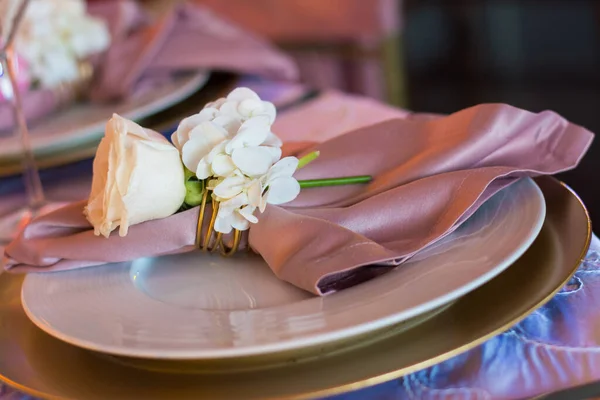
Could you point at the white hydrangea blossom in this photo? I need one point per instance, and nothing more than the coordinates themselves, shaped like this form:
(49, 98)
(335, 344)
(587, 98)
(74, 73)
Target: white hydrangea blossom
(231, 144)
(54, 36)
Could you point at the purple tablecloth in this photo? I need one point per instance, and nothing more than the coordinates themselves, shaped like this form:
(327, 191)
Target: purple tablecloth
(556, 347)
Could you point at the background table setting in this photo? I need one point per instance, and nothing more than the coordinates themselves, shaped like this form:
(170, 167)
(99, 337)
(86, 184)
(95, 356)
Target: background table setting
(462, 269)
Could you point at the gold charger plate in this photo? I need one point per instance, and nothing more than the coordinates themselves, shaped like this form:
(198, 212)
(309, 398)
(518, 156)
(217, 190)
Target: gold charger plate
(42, 366)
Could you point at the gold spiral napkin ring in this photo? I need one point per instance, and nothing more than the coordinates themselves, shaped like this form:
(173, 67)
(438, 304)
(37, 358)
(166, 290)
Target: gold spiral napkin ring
(206, 243)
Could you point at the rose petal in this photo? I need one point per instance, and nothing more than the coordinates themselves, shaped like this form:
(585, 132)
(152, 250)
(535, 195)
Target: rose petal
(252, 161)
(282, 190)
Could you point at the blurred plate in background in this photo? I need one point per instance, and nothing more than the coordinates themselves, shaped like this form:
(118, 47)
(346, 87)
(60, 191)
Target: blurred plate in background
(83, 124)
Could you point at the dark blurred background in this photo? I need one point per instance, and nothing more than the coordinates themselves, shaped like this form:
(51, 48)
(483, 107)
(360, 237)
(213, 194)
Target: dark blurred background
(441, 56)
(534, 54)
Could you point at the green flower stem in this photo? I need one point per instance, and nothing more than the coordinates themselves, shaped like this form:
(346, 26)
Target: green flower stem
(194, 189)
(307, 159)
(349, 180)
(188, 174)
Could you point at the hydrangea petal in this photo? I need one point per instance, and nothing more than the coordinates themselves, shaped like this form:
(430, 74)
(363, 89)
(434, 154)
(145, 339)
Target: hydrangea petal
(274, 151)
(282, 190)
(216, 104)
(272, 140)
(248, 214)
(270, 110)
(255, 193)
(252, 161)
(188, 124)
(203, 138)
(223, 224)
(283, 168)
(228, 206)
(242, 93)
(251, 107)
(203, 170)
(239, 222)
(222, 165)
(253, 132)
(230, 187)
(230, 123)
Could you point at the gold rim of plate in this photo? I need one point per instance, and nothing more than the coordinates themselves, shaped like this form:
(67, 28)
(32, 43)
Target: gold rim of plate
(54, 369)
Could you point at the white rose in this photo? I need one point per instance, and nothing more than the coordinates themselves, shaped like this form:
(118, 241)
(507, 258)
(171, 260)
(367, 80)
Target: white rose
(138, 176)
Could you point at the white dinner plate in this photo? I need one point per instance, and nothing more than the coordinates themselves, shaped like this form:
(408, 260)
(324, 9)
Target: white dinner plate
(198, 306)
(84, 123)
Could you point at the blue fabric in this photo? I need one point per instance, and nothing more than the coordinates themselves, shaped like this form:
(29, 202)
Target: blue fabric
(558, 346)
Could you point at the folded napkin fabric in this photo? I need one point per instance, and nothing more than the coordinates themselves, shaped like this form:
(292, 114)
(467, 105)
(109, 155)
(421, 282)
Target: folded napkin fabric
(187, 38)
(429, 176)
(147, 51)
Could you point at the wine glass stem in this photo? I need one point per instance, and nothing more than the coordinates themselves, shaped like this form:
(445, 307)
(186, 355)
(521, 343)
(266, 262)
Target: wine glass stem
(31, 176)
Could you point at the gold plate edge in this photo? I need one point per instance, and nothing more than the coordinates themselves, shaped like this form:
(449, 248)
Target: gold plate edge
(413, 368)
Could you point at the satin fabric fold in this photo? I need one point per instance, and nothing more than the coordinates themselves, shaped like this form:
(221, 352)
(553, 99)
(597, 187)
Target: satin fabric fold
(146, 52)
(429, 176)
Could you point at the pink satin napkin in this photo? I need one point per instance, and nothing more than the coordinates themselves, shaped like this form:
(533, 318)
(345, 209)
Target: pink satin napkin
(429, 176)
(146, 52)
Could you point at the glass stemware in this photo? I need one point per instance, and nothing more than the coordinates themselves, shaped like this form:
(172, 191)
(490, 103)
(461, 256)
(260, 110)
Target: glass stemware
(12, 223)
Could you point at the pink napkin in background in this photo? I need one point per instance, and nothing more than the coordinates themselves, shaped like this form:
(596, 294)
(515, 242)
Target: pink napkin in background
(429, 176)
(332, 114)
(188, 38)
(147, 52)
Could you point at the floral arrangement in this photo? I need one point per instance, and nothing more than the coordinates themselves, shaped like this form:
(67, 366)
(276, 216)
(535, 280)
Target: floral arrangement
(55, 40)
(226, 154)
